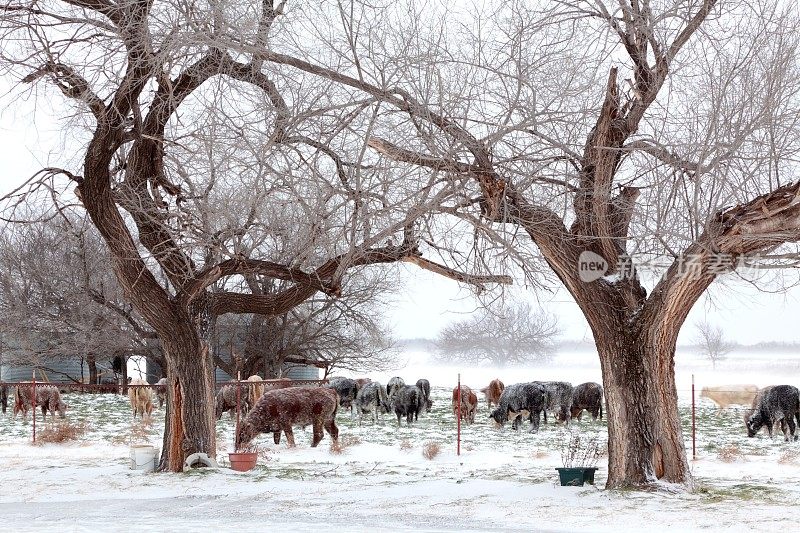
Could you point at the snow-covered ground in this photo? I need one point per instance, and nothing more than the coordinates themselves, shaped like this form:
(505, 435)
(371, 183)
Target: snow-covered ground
(503, 480)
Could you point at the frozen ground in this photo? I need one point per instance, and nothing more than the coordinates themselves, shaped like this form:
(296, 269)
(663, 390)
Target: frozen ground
(502, 481)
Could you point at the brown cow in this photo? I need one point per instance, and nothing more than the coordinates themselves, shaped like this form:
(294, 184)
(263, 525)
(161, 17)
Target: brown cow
(469, 404)
(492, 392)
(279, 410)
(48, 398)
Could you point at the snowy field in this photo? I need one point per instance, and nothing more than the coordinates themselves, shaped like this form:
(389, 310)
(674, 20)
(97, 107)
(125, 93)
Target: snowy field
(503, 480)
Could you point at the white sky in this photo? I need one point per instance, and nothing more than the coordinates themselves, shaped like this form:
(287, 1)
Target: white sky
(28, 141)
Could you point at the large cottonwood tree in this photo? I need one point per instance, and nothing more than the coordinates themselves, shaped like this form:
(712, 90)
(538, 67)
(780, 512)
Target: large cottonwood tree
(643, 148)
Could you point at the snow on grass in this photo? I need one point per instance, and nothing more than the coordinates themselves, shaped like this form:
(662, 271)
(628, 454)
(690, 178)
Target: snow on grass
(380, 478)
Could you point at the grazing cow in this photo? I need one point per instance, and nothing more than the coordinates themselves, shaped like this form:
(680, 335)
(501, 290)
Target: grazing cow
(406, 401)
(559, 399)
(226, 400)
(4, 397)
(394, 385)
(425, 386)
(347, 389)
(281, 409)
(141, 399)
(780, 403)
(587, 396)
(257, 389)
(492, 392)
(372, 398)
(161, 392)
(726, 395)
(48, 398)
(362, 381)
(518, 401)
(469, 404)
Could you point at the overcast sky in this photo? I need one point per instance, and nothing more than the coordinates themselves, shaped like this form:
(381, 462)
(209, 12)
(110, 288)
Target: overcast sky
(29, 141)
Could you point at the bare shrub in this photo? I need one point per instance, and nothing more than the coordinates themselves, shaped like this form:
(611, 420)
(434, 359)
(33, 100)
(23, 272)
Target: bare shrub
(61, 433)
(406, 444)
(789, 456)
(430, 450)
(344, 442)
(138, 433)
(730, 453)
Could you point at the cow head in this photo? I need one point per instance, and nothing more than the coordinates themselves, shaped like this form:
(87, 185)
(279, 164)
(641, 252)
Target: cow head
(247, 432)
(499, 416)
(754, 423)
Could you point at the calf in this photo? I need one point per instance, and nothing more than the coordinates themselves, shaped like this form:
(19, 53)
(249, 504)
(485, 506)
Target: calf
(394, 385)
(492, 392)
(469, 404)
(726, 395)
(227, 397)
(587, 396)
(48, 398)
(559, 399)
(161, 392)
(425, 386)
(346, 389)
(141, 398)
(4, 397)
(520, 400)
(281, 409)
(780, 403)
(407, 401)
(372, 398)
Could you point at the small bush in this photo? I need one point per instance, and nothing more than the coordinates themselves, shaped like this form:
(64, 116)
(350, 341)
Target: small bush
(730, 453)
(406, 444)
(344, 442)
(60, 433)
(430, 450)
(137, 433)
(789, 456)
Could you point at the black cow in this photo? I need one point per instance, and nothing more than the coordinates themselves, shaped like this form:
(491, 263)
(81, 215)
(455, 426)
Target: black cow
(407, 401)
(519, 400)
(425, 387)
(372, 398)
(780, 403)
(559, 399)
(347, 389)
(587, 396)
(394, 385)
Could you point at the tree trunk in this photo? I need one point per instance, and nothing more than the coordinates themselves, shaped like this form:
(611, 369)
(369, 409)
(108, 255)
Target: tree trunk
(190, 424)
(645, 441)
(92, 364)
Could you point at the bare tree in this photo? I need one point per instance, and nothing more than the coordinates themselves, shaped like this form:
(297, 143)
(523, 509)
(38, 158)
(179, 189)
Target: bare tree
(59, 300)
(511, 335)
(184, 130)
(712, 343)
(642, 150)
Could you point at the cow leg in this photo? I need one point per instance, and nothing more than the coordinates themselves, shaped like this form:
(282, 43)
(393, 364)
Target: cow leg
(535, 421)
(333, 431)
(792, 427)
(289, 435)
(398, 418)
(317, 432)
(409, 418)
(276, 436)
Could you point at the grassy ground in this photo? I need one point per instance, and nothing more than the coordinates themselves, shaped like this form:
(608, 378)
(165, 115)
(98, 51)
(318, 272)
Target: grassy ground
(722, 473)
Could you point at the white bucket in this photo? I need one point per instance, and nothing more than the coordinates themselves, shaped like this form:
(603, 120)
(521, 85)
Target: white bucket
(144, 457)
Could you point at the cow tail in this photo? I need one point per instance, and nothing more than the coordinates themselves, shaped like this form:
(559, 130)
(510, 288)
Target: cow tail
(601, 408)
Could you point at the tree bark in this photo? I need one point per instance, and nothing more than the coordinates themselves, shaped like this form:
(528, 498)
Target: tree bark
(92, 364)
(190, 423)
(645, 440)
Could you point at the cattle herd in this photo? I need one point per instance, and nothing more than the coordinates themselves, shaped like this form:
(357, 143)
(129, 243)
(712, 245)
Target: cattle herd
(278, 407)
(770, 406)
